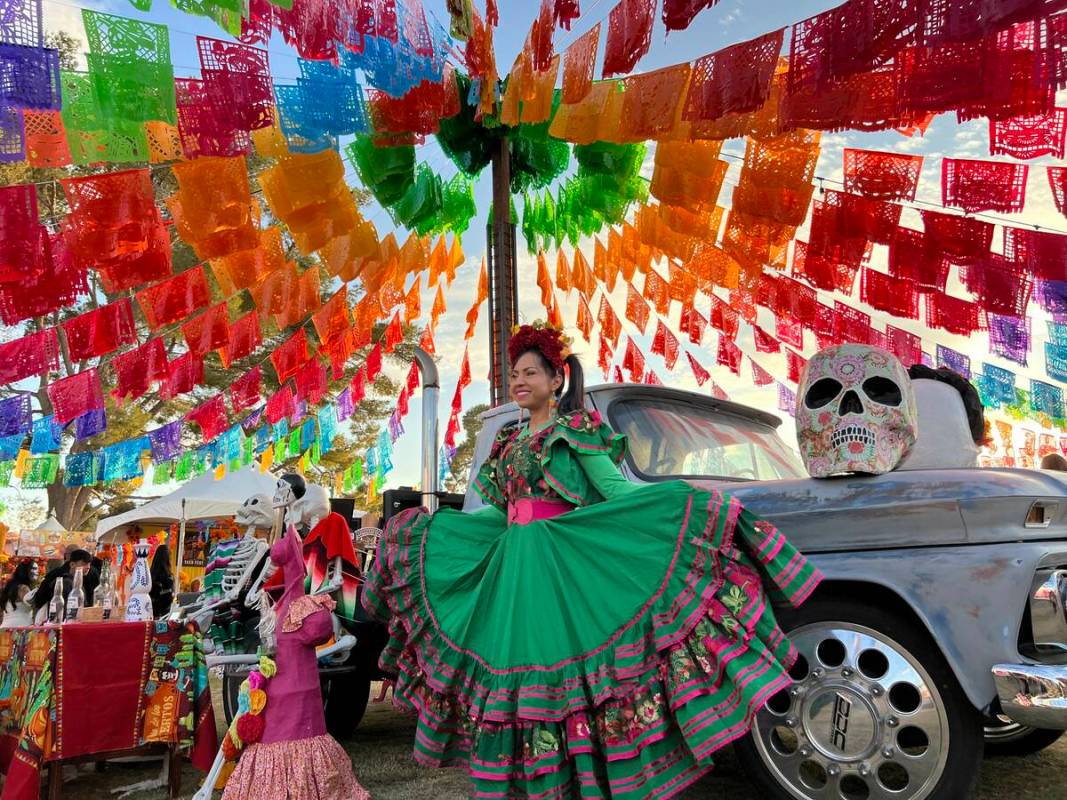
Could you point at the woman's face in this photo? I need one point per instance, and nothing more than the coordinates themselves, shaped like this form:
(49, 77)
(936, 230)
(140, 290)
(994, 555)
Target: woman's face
(532, 386)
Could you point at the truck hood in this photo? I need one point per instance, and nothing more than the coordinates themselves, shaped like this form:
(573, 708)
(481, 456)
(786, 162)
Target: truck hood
(913, 508)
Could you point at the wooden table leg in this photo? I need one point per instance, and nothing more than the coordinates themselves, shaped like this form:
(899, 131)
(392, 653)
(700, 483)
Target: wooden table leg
(55, 780)
(174, 774)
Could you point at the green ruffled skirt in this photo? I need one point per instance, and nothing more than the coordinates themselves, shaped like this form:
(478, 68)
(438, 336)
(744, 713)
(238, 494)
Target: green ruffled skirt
(608, 652)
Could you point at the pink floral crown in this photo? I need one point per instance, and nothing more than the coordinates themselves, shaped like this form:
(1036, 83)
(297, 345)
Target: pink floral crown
(543, 337)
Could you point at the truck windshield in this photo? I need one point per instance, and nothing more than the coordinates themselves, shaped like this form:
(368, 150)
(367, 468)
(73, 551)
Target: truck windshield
(671, 439)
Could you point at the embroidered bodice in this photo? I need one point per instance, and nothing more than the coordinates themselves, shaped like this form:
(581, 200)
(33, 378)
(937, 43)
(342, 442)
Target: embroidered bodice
(550, 464)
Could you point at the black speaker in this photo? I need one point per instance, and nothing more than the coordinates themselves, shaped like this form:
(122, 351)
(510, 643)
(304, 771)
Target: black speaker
(346, 507)
(396, 500)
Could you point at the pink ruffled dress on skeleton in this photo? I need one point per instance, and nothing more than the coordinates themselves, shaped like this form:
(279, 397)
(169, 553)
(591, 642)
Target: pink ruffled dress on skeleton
(296, 759)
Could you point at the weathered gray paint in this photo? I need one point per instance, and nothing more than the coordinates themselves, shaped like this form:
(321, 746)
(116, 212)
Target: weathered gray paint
(950, 543)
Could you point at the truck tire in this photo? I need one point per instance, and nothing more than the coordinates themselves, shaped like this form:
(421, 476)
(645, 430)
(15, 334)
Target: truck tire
(345, 696)
(874, 712)
(233, 675)
(1012, 739)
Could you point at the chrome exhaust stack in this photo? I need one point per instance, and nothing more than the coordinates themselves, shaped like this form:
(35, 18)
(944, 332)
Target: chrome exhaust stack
(431, 391)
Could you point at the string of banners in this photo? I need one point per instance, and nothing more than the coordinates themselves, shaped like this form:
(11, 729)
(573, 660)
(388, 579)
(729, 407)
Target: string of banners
(246, 302)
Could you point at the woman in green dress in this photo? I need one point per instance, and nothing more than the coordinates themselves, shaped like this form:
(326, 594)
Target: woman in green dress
(581, 636)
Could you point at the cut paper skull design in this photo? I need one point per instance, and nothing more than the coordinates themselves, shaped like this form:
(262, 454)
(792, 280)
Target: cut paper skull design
(855, 411)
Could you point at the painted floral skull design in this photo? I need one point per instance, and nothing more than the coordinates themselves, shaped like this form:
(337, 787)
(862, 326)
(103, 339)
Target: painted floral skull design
(855, 411)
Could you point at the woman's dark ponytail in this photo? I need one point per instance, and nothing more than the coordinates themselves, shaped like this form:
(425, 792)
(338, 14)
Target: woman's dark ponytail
(574, 398)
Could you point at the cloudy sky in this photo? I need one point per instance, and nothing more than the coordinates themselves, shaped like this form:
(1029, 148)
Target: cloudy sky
(728, 22)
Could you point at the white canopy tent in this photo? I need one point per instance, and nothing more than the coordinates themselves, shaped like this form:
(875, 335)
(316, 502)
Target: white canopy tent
(201, 498)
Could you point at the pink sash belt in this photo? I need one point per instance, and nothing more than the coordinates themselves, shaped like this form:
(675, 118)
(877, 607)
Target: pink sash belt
(528, 509)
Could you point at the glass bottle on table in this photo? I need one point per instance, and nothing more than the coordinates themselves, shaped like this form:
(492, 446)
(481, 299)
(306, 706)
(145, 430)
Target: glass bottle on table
(55, 605)
(75, 599)
(106, 590)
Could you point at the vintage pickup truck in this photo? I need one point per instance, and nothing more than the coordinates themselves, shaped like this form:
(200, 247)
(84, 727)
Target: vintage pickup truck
(941, 622)
(942, 615)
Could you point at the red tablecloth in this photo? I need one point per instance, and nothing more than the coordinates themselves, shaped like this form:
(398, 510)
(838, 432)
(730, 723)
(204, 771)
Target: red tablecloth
(84, 688)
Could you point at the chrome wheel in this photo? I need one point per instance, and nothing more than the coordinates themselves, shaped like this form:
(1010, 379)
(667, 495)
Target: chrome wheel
(862, 720)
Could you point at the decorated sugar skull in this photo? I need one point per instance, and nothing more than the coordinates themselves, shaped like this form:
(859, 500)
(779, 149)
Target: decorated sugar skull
(855, 411)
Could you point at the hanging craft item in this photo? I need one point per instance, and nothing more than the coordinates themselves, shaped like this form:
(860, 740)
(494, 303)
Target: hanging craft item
(679, 14)
(21, 235)
(202, 134)
(115, 227)
(237, 85)
(911, 259)
(288, 357)
(961, 239)
(1030, 136)
(999, 285)
(100, 331)
(135, 370)
(729, 355)
(130, 82)
(951, 314)
(975, 185)
(850, 39)
(326, 102)
(307, 192)
(208, 331)
(579, 62)
(46, 139)
(629, 35)
(688, 174)
(33, 354)
(734, 80)
(652, 102)
(213, 206)
(896, 296)
(174, 299)
(1043, 253)
(76, 395)
(882, 176)
(186, 373)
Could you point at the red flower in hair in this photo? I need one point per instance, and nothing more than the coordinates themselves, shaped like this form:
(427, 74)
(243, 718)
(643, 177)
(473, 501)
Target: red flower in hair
(548, 341)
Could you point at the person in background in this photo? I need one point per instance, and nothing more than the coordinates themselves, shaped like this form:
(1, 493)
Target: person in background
(162, 591)
(1054, 461)
(77, 560)
(16, 597)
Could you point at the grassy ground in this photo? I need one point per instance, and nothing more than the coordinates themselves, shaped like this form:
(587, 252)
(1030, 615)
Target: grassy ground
(381, 757)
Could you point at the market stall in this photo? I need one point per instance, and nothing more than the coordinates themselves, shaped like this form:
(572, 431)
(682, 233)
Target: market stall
(92, 690)
(188, 519)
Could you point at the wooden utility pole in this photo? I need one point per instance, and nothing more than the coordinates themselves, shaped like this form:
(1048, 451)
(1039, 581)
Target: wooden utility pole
(503, 303)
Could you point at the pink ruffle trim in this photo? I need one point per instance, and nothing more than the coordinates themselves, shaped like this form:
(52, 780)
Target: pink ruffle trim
(317, 768)
(303, 607)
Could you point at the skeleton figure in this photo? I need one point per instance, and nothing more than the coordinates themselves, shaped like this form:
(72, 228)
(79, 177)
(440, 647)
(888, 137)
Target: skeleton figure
(856, 411)
(310, 509)
(255, 513)
(289, 489)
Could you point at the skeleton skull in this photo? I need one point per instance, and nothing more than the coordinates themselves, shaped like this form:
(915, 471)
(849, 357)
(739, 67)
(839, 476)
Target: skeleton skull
(255, 512)
(855, 411)
(311, 509)
(289, 488)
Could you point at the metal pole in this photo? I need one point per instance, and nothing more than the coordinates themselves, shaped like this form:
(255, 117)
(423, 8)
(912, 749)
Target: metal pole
(431, 390)
(503, 303)
(181, 558)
